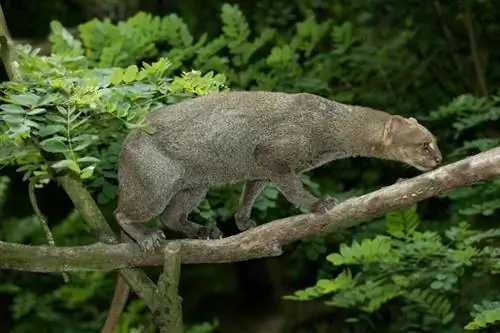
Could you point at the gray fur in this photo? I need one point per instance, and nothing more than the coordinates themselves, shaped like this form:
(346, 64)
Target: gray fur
(257, 137)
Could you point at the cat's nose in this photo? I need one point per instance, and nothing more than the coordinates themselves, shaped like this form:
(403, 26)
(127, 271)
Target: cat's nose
(439, 159)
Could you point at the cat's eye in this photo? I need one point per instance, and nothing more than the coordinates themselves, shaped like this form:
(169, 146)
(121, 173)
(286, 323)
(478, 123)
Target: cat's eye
(426, 146)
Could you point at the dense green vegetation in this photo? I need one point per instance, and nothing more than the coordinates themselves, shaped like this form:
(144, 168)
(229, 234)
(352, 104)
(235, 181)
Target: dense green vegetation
(429, 268)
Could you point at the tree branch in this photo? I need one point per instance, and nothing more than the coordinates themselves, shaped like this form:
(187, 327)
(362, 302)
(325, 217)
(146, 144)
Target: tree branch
(8, 51)
(91, 214)
(169, 319)
(264, 240)
(42, 220)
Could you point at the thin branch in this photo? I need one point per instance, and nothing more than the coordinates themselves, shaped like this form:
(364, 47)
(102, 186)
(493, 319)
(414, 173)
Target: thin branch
(38, 213)
(120, 296)
(478, 64)
(43, 221)
(450, 39)
(264, 240)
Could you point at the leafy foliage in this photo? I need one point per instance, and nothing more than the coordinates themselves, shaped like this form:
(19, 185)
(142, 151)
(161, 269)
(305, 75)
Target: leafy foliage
(470, 117)
(484, 314)
(265, 61)
(78, 114)
(417, 269)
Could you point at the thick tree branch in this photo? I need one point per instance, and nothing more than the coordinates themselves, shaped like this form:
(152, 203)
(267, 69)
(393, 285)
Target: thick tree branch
(88, 209)
(137, 279)
(264, 240)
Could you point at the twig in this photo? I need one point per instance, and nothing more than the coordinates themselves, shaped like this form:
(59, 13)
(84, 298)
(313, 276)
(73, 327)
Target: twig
(168, 286)
(448, 34)
(120, 296)
(43, 221)
(41, 218)
(478, 65)
(264, 240)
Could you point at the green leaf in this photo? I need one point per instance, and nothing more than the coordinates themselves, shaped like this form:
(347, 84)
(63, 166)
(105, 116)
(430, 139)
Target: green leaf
(37, 111)
(271, 193)
(148, 128)
(116, 76)
(401, 280)
(50, 129)
(326, 286)
(437, 285)
(56, 118)
(23, 304)
(12, 109)
(47, 99)
(87, 172)
(485, 316)
(88, 159)
(62, 110)
(336, 259)
(10, 288)
(82, 145)
(28, 99)
(401, 222)
(31, 123)
(13, 119)
(66, 164)
(448, 318)
(84, 140)
(133, 126)
(141, 75)
(130, 73)
(53, 145)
